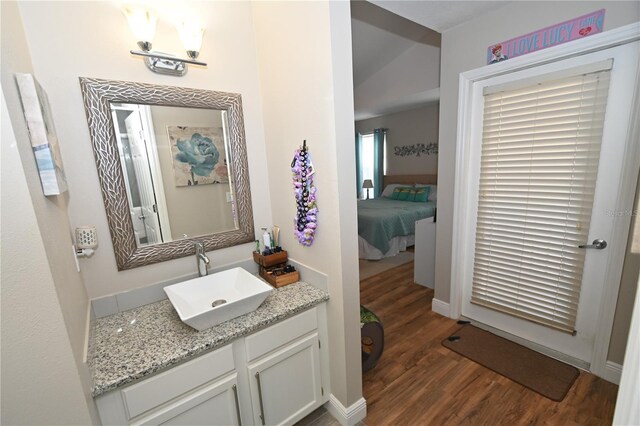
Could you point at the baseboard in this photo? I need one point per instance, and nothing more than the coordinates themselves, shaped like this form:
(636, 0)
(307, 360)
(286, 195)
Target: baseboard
(440, 307)
(347, 416)
(612, 372)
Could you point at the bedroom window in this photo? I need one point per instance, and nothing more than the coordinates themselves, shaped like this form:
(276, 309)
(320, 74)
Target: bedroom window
(370, 161)
(367, 157)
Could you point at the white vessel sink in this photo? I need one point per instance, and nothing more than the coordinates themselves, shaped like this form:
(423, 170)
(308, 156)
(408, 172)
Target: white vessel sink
(207, 301)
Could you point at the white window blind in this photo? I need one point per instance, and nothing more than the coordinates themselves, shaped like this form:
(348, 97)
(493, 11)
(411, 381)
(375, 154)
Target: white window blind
(539, 162)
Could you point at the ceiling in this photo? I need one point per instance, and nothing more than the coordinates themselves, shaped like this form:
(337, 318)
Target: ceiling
(383, 29)
(439, 15)
(380, 36)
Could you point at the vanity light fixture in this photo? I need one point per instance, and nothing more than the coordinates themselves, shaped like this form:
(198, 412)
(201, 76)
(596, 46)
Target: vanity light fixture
(143, 25)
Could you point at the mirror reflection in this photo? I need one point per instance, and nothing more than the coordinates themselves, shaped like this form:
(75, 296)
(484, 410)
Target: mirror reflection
(194, 172)
(175, 162)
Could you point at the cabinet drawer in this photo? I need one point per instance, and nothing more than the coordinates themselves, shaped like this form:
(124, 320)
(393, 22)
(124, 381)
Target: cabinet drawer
(279, 334)
(166, 386)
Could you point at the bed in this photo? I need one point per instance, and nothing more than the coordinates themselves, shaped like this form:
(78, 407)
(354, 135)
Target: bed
(385, 226)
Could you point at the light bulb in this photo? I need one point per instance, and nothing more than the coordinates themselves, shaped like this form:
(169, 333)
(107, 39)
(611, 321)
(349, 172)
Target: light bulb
(142, 23)
(191, 36)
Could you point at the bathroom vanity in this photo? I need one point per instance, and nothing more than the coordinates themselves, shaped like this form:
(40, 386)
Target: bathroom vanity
(269, 366)
(266, 367)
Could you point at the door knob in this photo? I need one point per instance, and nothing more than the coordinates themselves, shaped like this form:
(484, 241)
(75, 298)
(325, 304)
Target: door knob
(598, 244)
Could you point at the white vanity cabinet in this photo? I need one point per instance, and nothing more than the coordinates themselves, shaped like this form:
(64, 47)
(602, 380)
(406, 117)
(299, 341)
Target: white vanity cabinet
(275, 376)
(285, 372)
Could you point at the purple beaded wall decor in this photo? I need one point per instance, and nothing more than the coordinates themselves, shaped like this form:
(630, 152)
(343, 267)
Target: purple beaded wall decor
(305, 223)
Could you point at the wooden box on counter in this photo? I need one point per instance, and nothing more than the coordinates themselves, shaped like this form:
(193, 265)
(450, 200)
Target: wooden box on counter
(280, 280)
(271, 259)
(275, 263)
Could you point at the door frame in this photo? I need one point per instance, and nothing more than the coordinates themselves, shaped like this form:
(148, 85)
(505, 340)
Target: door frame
(463, 239)
(156, 172)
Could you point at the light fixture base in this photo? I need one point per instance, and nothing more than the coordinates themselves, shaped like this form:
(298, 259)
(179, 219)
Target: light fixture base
(164, 63)
(166, 66)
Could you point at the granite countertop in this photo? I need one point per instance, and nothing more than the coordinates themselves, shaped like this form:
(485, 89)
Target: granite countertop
(135, 344)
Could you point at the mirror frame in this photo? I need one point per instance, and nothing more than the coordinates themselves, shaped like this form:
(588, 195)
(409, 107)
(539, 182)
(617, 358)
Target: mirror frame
(98, 95)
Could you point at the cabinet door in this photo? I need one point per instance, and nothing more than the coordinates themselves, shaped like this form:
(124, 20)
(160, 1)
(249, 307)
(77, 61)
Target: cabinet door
(286, 385)
(214, 404)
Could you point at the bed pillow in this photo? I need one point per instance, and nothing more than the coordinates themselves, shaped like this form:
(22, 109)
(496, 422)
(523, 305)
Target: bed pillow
(388, 190)
(421, 194)
(401, 193)
(405, 193)
(433, 194)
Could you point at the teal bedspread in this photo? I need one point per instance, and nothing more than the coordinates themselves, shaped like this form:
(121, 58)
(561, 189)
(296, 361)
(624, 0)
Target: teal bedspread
(381, 219)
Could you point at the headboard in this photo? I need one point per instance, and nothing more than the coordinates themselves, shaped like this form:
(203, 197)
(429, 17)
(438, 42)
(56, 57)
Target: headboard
(410, 179)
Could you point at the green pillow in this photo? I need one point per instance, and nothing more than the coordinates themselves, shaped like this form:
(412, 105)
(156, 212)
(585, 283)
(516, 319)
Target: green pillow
(396, 193)
(409, 193)
(421, 194)
(404, 194)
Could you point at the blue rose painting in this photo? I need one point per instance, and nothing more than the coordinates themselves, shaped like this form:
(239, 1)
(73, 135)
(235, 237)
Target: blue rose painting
(198, 154)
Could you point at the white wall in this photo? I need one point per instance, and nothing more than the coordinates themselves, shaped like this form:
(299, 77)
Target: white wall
(92, 39)
(304, 51)
(35, 389)
(464, 48)
(44, 305)
(411, 127)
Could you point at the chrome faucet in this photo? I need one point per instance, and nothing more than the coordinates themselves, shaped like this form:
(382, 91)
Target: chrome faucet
(200, 256)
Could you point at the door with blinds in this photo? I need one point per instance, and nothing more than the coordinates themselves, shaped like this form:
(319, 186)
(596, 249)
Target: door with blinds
(549, 166)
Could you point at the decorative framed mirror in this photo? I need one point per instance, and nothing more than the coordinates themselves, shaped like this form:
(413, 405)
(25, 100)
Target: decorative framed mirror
(173, 168)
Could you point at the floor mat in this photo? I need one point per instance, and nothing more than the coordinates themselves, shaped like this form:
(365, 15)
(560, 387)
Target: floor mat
(540, 373)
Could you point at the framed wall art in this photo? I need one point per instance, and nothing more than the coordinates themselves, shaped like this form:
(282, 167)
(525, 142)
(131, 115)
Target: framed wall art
(42, 133)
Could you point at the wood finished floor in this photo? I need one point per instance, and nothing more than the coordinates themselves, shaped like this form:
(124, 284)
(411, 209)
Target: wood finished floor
(419, 382)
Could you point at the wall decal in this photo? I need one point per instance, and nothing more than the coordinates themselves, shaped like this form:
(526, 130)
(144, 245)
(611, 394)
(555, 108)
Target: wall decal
(417, 149)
